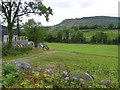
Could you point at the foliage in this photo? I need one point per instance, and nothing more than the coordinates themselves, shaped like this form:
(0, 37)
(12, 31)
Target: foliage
(14, 51)
(50, 38)
(34, 31)
(64, 69)
(116, 40)
(13, 10)
(53, 79)
(111, 26)
(10, 74)
(73, 35)
(78, 38)
(99, 38)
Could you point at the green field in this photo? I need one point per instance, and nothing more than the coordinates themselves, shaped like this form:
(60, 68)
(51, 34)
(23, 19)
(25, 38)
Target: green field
(101, 61)
(105, 50)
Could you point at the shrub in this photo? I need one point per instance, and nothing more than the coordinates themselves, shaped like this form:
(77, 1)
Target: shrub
(48, 78)
(14, 51)
(10, 74)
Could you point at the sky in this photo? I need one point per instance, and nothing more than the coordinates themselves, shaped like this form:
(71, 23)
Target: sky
(66, 9)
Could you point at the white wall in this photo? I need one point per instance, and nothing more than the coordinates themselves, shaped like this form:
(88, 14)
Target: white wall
(6, 38)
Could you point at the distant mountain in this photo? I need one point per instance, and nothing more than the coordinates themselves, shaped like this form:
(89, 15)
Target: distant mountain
(99, 20)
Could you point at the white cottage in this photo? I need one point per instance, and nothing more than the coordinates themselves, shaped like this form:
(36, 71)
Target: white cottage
(4, 38)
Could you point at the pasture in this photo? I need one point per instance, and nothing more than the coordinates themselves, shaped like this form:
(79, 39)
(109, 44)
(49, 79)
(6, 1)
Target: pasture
(101, 61)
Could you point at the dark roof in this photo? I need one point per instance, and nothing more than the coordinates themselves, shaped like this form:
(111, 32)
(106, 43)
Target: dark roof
(4, 30)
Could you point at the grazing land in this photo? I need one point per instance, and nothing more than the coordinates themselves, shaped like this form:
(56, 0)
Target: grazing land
(100, 61)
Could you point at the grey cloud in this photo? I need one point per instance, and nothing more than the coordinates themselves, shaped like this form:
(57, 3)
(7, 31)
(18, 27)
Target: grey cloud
(61, 4)
(85, 4)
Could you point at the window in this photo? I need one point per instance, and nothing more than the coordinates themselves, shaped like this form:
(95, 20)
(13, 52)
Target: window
(7, 39)
(15, 38)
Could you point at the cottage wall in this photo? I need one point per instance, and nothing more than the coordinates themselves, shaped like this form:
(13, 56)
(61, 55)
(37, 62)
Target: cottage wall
(15, 38)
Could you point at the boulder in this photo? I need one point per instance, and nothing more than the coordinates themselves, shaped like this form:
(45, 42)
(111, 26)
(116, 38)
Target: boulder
(23, 65)
(106, 82)
(73, 78)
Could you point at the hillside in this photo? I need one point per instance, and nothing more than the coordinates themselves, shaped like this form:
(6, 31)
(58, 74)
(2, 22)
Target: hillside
(99, 20)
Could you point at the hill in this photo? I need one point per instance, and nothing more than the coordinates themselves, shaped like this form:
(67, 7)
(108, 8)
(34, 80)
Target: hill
(95, 20)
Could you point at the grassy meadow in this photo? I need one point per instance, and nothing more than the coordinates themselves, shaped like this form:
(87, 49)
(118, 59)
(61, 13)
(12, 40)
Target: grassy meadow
(105, 50)
(101, 61)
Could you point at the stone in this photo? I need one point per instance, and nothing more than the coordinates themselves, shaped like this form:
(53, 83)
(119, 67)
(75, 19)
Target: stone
(38, 69)
(73, 78)
(89, 76)
(106, 82)
(23, 65)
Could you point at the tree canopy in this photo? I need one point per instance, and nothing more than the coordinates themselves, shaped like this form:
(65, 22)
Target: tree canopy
(14, 9)
(34, 31)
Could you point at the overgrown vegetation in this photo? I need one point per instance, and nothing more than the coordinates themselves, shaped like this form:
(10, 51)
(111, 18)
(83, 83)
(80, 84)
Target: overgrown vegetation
(10, 74)
(58, 77)
(14, 51)
(74, 60)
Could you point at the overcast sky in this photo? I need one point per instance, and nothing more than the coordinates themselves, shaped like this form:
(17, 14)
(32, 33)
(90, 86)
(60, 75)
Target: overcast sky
(64, 9)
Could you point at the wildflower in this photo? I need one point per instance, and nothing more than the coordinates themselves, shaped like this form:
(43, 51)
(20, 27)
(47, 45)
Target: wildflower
(48, 70)
(73, 78)
(65, 73)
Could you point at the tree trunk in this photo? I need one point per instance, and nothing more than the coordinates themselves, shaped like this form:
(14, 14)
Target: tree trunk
(18, 26)
(10, 34)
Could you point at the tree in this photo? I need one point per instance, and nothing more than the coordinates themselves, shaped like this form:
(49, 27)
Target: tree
(59, 36)
(79, 37)
(66, 35)
(111, 26)
(34, 31)
(50, 38)
(116, 40)
(99, 37)
(12, 10)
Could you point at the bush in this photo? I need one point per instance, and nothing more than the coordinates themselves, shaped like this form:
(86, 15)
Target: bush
(50, 78)
(14, 51)
(10, 74)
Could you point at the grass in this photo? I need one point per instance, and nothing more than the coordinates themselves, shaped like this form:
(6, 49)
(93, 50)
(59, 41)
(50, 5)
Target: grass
(33, 51)
(101, 61)
(104, 50)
